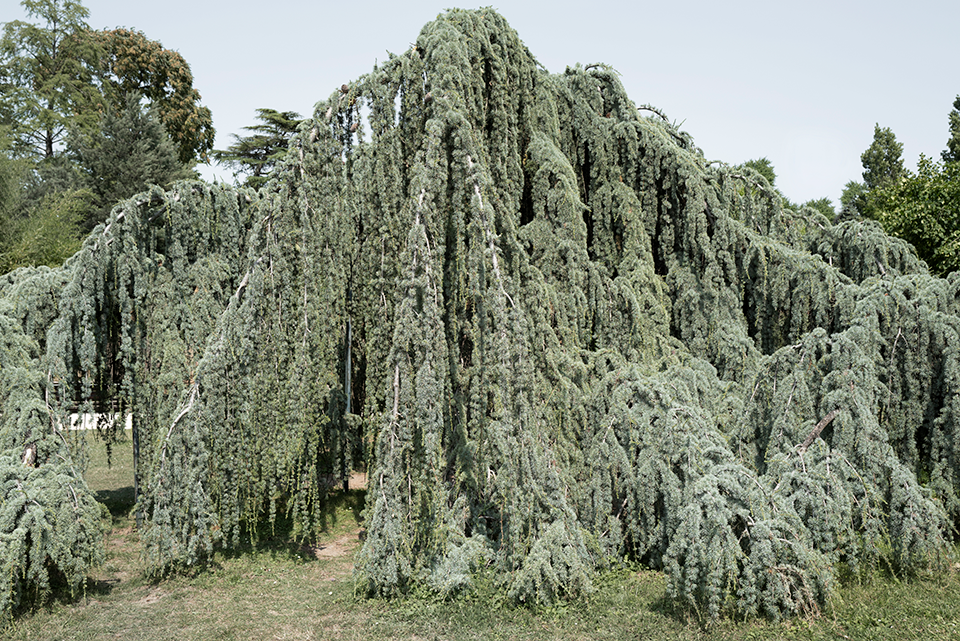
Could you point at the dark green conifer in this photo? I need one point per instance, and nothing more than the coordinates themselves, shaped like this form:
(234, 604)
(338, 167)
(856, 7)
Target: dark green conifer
(130, 151)
(259, 153)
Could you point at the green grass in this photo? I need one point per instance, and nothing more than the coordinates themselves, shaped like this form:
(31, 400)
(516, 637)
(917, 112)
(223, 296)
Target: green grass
(287, 591)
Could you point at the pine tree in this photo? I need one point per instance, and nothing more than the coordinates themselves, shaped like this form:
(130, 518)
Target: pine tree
(882, 162)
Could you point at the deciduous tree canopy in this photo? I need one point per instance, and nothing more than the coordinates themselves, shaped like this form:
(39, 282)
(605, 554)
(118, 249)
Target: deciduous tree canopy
(924, 210)
(555, 333)
(135, 64)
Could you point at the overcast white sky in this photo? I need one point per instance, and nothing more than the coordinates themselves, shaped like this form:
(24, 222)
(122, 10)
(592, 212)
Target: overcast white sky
(801, 83)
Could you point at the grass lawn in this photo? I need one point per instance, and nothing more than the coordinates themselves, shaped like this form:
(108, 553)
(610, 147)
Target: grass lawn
(287, 591)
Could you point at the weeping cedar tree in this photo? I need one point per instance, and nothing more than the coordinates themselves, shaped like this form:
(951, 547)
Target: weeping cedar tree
(50, 523)
(556, 335)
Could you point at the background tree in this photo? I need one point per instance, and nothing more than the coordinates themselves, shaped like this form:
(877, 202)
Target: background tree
(921, 208)
(882, 165)
(50, 234)
(11, 176)
(47, 73)
(59, 75)
(258, 154)
(853, 200)
(133, 63)
(924, 210)
(882, 161)
(952, 152)
(765, 168)
(130, 151)
(41, 210)
(823, 205)
(62, 81)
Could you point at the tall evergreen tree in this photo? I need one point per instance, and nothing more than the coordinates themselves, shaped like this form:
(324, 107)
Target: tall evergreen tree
(952, 152)
(882, 161)
(882, 166)
(47, 73)
(130, 152)
(257, 155)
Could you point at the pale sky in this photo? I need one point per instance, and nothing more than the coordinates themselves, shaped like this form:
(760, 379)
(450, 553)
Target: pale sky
(801, 83)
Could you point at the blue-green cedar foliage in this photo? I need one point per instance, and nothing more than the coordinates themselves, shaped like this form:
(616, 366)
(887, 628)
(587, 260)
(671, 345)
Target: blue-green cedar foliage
(50, 524)
(572, 340)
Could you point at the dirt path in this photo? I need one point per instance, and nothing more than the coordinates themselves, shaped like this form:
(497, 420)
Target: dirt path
(339, 551)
